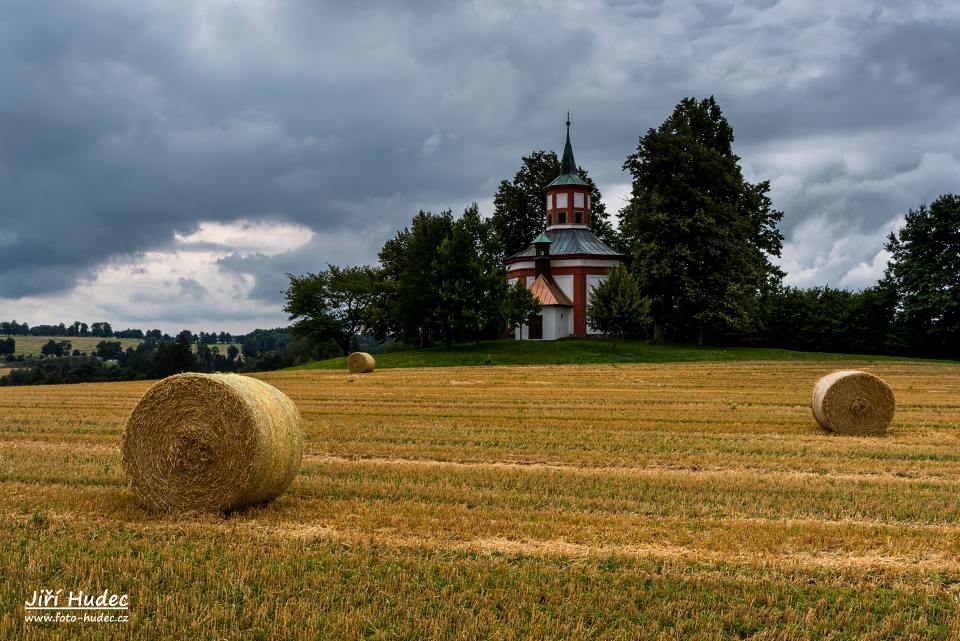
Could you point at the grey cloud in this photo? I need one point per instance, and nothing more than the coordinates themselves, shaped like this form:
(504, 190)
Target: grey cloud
(350, 247)
(637, 8)
(122, 124)
(191, 288)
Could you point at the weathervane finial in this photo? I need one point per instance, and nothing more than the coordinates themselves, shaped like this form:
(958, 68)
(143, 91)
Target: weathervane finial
(568, 119)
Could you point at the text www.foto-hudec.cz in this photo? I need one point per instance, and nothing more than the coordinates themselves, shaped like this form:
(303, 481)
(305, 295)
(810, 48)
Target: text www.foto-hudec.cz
(55, 606)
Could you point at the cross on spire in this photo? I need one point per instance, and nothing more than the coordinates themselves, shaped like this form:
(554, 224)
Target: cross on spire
(568, 165)
(569, 174)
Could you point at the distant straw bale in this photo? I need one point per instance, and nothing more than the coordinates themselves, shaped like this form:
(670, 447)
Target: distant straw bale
(212, 442)
(361, 363)
(853, 402)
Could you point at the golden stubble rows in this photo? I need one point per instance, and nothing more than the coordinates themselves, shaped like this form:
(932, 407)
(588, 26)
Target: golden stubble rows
(722, 462)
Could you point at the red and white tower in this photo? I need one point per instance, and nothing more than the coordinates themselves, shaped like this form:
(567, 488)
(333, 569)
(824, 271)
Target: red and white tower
(565, 262)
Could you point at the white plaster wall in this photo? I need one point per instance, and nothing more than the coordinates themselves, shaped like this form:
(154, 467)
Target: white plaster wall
(557, 323)
(549, 323)
(584, 262)
(566, 284)
(593, 281)
(565, 322)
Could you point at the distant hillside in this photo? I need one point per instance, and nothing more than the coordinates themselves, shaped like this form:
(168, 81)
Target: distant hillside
(27, 345)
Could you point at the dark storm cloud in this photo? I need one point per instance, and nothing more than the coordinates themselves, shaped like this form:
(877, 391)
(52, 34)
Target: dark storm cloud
(122, 123)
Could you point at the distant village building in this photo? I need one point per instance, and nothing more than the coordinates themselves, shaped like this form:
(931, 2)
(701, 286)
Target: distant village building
(563, 265)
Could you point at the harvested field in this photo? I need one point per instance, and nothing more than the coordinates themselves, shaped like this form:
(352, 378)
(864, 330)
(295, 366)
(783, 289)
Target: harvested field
(695, 500)
(31, 345)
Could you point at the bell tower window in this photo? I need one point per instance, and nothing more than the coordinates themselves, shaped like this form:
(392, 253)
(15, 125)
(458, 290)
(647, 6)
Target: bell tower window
(578, 217)
(562, 217)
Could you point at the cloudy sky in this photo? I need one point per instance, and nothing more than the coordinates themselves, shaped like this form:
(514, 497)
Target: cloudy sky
(164, 164)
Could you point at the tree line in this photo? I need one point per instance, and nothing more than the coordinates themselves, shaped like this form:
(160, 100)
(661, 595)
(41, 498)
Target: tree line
(156, 357)
(103, 329)
(701, 242)
(440, 280)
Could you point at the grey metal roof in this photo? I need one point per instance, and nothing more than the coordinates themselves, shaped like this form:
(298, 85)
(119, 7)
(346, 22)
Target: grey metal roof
(567, 179)
(575, 240)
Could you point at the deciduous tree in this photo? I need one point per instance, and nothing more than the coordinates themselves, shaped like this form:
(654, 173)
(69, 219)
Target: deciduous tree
(700, 234)
(332, 304)
(924, 270)
(617, 308)
(109, 350)
(520, 306)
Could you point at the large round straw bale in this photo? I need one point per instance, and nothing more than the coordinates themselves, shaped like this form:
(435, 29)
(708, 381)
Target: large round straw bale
(361, 363)
(211, 442)
(853, 402)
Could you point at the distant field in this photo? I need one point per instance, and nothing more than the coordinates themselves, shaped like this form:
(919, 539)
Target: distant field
(642, 501)
(86, 344)
(582, 351)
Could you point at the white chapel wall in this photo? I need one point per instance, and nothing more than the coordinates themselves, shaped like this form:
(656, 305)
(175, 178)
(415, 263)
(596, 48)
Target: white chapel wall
(565, 281)
(593, 281)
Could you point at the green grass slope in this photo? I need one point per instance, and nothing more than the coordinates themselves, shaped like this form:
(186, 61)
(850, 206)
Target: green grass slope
(580, 351)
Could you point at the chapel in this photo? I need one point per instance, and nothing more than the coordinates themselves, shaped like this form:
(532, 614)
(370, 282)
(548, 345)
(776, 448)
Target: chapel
(564, 263)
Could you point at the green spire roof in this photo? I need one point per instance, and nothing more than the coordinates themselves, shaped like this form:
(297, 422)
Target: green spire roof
(568, 166)
(542, 238)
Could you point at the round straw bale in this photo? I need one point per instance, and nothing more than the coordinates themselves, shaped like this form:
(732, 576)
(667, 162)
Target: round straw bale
(212, 442)
(361, 363)
(853, 402)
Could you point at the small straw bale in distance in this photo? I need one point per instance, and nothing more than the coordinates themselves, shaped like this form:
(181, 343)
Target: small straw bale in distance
(853, 402)
(361, 363)
(211, 442)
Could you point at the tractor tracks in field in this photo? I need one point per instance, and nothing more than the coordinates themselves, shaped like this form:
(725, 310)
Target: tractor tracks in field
(702, 560)
(644, 470)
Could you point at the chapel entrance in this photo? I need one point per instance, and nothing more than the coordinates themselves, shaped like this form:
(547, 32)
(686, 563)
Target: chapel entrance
(536, 329)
